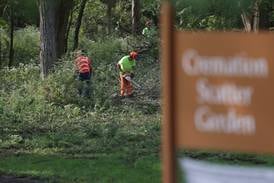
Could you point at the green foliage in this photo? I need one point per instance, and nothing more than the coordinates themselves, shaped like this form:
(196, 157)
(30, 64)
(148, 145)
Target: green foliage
(212, 22)
(150, 9)
(122, 14)
(49, 117)
(3, 23)
(28, 12)
(109, 2)
(26, 45)
(266, 14)
(210, 14)
(103, 51)
(94, 19)
(25, 11)
(95, 169)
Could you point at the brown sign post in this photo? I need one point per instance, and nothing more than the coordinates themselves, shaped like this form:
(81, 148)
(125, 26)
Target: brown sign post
(168, 138)
(218, 92)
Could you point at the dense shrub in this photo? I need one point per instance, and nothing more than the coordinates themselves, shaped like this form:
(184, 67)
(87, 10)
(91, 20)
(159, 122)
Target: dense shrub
(105, 51)
(26, 45)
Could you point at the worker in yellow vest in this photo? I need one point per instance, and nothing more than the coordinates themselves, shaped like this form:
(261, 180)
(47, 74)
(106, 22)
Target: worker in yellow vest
(126, 67)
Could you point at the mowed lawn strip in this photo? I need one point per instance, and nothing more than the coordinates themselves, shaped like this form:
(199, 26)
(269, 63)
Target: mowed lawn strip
(100, 169)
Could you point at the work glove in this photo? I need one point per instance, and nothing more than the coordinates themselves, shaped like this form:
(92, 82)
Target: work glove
(128, 78)
(118, 67)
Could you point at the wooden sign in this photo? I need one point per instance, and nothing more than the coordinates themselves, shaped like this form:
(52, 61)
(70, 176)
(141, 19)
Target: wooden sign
(224, 91)
(218, 91)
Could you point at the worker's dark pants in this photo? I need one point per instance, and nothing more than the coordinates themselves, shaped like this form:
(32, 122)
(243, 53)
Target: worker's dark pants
(84, 86)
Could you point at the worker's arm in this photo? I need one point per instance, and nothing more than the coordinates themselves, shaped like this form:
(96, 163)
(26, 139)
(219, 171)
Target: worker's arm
(118, 66)
(90, 65)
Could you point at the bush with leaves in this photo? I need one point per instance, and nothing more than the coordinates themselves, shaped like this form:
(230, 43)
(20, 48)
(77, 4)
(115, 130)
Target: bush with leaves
(26, 45)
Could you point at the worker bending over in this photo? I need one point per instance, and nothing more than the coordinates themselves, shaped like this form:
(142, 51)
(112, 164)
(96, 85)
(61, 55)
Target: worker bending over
(126, 66)
(83, 69)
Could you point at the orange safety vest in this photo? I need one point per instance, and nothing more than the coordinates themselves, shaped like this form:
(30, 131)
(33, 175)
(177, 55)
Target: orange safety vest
(83, 64)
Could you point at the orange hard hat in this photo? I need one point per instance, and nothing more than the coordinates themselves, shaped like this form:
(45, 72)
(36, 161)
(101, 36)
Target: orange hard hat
(133, 55)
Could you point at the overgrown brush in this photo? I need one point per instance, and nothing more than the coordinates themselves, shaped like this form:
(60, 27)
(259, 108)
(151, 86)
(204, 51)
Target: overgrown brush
(26, 45)
(49, 117)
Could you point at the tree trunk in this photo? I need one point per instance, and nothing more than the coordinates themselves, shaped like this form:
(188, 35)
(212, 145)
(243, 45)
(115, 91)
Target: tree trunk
(54, 16)
(62, 16)
(78, 24)
(136, 16)
(48, 53)
(11, 50)
(1, 61)
(109, 14)
(246, 21)
(68, 30)
(256, 16)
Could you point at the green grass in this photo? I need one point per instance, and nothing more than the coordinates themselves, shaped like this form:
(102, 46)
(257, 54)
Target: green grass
(230, 158)
(97, 169)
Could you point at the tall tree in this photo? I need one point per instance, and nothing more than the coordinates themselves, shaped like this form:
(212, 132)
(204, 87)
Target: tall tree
(1, 61)
(136, 16)
(256, 15)
(62, 18)
(11, 50)
(78, 23)
(68, 29)
(8, 10)
(253, 14)
(54, 16)
(110, 4)
(4, 42)
(48, 53)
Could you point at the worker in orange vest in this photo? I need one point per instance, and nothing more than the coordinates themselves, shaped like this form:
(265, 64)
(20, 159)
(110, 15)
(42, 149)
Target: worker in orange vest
(83, 69)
